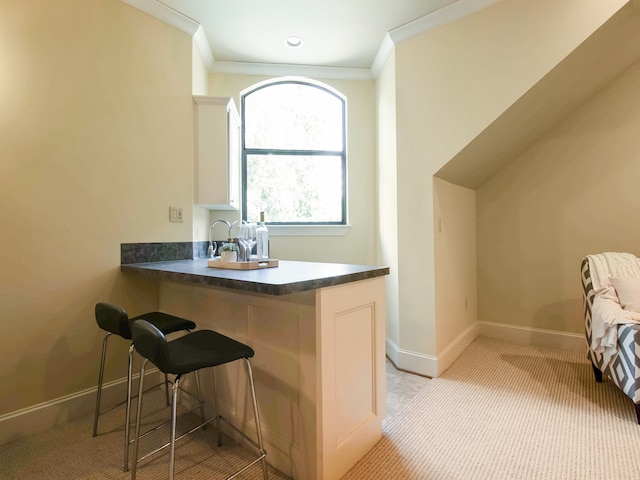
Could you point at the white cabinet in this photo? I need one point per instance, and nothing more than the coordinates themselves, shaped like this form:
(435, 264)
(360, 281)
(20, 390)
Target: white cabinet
(217, 153)
(319, 368)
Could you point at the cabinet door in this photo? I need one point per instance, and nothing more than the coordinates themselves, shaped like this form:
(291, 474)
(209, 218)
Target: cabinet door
(217, 153)
(233, 142)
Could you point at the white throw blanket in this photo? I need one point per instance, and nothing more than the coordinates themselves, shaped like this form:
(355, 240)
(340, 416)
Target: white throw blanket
(607, 312)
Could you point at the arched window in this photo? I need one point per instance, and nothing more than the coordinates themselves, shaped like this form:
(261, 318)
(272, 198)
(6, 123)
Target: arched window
(294, 154)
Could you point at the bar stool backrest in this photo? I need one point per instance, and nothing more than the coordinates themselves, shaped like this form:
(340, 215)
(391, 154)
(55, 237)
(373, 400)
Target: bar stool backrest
(152, 344)
(114, 319)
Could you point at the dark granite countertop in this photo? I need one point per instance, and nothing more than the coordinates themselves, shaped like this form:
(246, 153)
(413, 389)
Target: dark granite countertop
(288, 277)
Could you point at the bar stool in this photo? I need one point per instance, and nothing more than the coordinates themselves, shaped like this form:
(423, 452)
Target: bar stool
(114, 320)
(190, 353)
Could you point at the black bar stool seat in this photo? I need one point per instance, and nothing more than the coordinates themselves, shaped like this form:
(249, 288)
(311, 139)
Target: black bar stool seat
(115, 321)
(190, 353)
(199, 349)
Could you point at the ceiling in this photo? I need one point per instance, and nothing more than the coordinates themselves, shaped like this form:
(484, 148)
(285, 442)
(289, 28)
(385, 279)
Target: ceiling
(352, 38)
(346, 35)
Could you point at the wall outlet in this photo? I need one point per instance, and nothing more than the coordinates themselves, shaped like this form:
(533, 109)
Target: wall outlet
(176, 214)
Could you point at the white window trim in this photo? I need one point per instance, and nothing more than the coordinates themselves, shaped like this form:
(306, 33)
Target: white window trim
(308, 230)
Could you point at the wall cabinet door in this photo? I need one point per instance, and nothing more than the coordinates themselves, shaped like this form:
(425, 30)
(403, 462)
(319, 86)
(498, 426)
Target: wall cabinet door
(217, 153)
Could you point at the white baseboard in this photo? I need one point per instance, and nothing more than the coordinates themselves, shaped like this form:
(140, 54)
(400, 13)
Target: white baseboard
(534, 336)
(34, 419)
(37, 418)
(456, 347)
(433, 366)
(409, 361)
(429, 365)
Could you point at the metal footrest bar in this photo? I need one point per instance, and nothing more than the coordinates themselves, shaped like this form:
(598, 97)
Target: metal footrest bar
(153, 452)
(263, 454)
(244, 435)
(123, 402)
(200, 405)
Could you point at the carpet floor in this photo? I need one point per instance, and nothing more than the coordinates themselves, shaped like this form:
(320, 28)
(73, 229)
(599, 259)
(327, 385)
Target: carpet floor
(501, 411)
(510, 411)
(68, 451)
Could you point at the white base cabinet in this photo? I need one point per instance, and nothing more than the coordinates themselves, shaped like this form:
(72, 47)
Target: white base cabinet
(319, 369)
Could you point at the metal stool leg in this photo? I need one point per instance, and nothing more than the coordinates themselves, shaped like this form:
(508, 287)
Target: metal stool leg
(256, 414)
(100, 377)
(134, 465)
(172, 437)
(128, 400)
(127, 421)
(200, 401)
(215, 406)
(166, 389)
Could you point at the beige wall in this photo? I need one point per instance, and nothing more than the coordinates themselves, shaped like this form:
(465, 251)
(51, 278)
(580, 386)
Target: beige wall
(95, 145)
(96, 142)
(199, 73)
(387, 194)
(451, 83)
(454, 80)
(455, 261)
(200, 86)
(360, 243)
(571, 194)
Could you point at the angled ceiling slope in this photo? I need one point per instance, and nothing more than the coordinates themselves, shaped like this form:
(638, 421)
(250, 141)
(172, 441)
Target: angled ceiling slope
(602, 57)
(449, 13)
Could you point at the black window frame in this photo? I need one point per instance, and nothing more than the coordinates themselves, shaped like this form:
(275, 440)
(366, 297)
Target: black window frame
(288, 152)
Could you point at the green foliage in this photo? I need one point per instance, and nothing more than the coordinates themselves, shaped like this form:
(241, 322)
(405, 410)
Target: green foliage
(294, 188)
(228, 247)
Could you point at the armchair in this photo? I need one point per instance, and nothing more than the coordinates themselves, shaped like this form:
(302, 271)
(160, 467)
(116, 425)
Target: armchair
(611, 293)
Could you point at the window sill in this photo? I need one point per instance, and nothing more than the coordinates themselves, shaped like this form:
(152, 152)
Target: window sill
(308, 230)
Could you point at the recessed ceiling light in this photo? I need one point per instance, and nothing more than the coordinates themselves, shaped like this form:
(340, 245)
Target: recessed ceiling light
(293, 42)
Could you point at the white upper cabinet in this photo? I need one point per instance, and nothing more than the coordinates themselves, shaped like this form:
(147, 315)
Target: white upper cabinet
(217, 153)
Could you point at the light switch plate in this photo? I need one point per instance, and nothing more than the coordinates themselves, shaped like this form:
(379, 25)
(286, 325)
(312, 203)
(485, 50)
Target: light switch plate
(176, 214)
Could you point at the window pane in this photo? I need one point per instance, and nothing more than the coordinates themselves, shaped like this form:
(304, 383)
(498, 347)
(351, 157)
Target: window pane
(294, 189)
(292, 116)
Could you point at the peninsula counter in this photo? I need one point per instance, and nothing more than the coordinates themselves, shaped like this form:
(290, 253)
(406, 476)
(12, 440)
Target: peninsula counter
(318, 331)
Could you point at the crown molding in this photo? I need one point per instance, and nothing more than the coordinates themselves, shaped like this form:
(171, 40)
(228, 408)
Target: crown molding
(166, 14)
(454, 11)
(385, 49)
(282, 69)
(185, 24)
(447, 14)
(202, 44)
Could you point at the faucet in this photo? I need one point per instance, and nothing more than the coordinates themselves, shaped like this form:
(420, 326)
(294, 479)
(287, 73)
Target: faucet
(212, 249)
(241, 222)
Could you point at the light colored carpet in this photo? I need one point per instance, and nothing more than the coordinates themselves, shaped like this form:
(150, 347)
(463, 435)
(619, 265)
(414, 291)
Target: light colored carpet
(502, 411)
(68, 452)
(510, 411)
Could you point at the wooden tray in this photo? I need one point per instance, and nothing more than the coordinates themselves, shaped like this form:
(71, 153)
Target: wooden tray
(253, 265)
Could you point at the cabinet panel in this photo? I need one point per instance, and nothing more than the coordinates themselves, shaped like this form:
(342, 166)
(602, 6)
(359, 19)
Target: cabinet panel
(217, 153)
(352, 372)
(281, 330)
